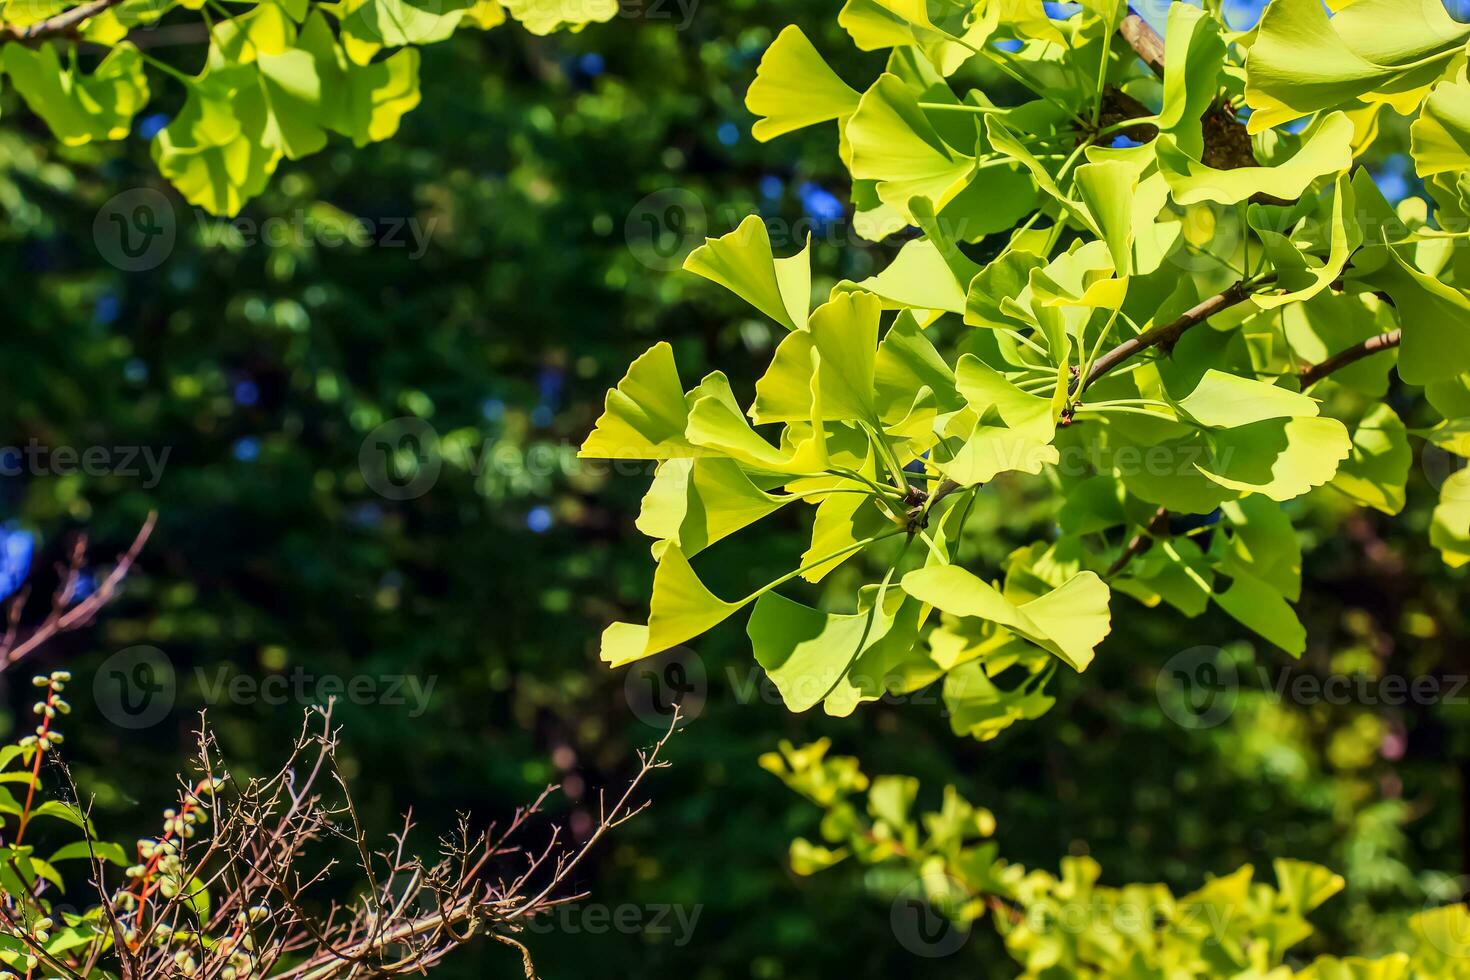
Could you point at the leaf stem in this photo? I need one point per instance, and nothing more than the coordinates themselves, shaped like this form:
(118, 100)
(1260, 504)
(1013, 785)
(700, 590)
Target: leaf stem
(845, 550)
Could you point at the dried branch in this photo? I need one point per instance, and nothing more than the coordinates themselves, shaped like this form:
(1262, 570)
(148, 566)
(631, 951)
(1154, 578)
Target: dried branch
(255, 860)
(61, 619)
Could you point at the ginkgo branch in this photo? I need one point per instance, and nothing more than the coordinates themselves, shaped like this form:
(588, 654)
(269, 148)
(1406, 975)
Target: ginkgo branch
(1145, 41)
(60, 25)
(1157, 526)
(1167, 335)
(1383, 341)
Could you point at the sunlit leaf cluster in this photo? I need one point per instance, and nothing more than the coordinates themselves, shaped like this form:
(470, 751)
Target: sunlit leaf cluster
(270, 80)
(1067, 926)
(1156, 284)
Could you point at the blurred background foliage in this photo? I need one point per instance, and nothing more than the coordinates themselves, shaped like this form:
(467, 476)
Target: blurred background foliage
(512, 301)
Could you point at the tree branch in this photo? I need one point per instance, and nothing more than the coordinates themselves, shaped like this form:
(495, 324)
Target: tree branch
(1227, 143)
(1144, 40)
(1142, 541)
(1168, 334)
(63, 23)
(1343, 358)
(62, 619)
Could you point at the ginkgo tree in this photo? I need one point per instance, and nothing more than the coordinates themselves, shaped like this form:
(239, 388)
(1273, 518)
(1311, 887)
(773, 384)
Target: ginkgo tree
(1159, 289)
(270, 80)
(1159, 286)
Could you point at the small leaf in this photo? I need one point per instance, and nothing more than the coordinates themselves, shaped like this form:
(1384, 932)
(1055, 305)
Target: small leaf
(79, 107)
(84, 850)
(743, 263)
(645, 415)
(1327, 149)
(1069, 622)
(1378, 468)
(794, 88)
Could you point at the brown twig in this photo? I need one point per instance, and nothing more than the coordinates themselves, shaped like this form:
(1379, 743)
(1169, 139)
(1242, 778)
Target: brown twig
(1167, 335)
(1227, 142)
(62, 619)
(61, 25)
(1157, 527)
(1144, 40)
(1343, 358)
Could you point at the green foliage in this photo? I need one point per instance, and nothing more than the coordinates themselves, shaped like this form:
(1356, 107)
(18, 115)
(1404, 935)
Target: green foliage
(1129, 325)
(276, 79)
(1067, 925)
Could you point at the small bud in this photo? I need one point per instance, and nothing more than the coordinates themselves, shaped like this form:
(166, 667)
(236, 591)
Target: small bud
(39, 681)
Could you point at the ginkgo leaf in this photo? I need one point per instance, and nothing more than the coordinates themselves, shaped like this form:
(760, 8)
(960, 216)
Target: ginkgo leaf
(717, 424)
(1012, 430)
(80, 107)
(1302, 61)
(893, 142)
(832, 361)
(265, 30)
(1069, 621)
(681, 609)
(293, 93)
(1223, 400)
(981, 709)
(814, 656)
(484, 14)
(1378, 468)
(842, 520)
(794, 88)
(1441, 135)
(1345, 237)
(844, 332)
(214, 151)
(362, 102)
(1257, 606)
(906, 363)
(1005, 141)
(1173, 571)
(918, 278)
(548, 16)
(645, 415)
(1193, 56)
(1304, 886)
(743, 263)
(1449, 527)
(1107, 190)
(1005, 277)
(877, 24)
(1329, 322)
(1327, 149)
(695, 502)
(1260, 542)
(1281, 458)
(1435, 318)
(368, 26)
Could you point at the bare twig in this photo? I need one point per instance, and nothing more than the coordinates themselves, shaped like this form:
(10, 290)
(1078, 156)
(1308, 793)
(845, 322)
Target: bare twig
(61, 618)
